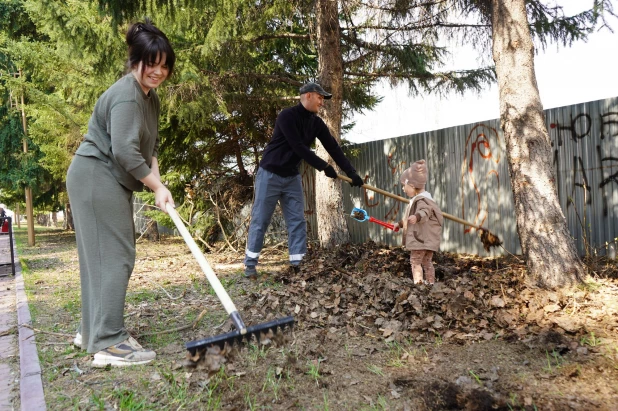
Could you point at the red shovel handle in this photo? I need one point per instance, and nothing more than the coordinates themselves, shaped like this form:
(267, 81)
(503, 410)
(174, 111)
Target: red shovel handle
(383, 224)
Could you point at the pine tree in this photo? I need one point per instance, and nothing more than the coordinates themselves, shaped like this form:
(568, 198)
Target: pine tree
(549, 249)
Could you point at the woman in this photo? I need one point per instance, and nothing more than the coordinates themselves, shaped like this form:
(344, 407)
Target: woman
(117, 157)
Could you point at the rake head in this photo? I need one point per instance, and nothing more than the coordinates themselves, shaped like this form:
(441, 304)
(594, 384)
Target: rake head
(260, 331)
(489, 239)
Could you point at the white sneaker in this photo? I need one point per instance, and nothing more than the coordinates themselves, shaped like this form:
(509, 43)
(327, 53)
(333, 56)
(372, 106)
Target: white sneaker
(128, 352)
(77, 341)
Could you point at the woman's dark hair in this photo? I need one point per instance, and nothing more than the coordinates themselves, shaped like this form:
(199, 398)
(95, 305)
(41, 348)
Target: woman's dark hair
(146, 42)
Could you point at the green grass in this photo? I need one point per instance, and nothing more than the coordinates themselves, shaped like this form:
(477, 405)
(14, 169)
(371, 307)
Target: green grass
(97, 402)
(553, 361)
(375, 369)
(438, 339)
(128, 400)
(590, 286)
(476, 377)
(272, 382)
(256, 353)
(313, 370)
(590, 340)
(381, 404)
(270, 283)
(142, 296)
(249, 398)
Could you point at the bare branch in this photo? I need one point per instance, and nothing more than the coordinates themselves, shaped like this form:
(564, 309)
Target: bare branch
(281, 36)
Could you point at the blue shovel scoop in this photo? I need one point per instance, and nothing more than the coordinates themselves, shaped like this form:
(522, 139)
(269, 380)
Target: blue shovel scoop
(361, 215)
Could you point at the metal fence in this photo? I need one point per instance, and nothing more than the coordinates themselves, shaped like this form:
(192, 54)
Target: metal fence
(142, 222)
(469, 178)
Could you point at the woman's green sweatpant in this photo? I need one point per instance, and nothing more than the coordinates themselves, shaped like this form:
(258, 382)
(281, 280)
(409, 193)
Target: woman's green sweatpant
(103, 216)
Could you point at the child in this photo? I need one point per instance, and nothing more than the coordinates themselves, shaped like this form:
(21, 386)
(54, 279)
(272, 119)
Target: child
(422, 223)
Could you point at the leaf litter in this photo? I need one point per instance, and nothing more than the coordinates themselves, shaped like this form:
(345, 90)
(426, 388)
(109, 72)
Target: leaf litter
(365, 336)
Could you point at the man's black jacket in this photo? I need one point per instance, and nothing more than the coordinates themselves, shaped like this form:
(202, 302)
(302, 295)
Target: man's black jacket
(296, 129)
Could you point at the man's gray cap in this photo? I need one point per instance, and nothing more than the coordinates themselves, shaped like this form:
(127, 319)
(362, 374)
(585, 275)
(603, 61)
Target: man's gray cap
(315, 87)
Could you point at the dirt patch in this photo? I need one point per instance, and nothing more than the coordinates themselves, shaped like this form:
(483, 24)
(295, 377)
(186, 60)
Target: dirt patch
(365, 336)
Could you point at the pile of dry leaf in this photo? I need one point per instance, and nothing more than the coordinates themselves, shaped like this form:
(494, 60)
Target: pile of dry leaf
(368, 289)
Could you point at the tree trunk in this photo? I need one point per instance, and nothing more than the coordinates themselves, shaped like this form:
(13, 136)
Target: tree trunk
(17, 216)
(332, 228)
(152, 228)
(68, 218)
(551, 256)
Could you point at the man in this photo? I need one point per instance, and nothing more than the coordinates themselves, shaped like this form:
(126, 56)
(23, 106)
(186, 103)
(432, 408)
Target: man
(278, 178)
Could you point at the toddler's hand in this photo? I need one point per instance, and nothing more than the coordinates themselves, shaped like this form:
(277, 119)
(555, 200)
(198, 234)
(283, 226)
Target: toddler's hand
(412, 220)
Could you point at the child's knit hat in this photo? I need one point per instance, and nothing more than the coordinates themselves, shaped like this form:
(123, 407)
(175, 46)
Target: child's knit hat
(416, 175)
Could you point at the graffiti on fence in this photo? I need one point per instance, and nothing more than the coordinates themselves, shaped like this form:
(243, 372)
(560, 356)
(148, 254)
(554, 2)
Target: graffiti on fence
(369, 196)
(482, 145)
(576, 129)
(396, 170)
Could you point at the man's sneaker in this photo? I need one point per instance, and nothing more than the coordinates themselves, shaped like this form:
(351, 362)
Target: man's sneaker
(128, 352)
(77, 341)
(250, 271)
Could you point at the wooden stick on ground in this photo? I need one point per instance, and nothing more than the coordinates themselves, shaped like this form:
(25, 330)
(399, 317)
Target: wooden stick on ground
(48, 332)
(8, 332)
(182, 328)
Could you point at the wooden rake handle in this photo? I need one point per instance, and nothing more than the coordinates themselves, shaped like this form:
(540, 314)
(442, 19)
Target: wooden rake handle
(407, 200)
(212, 278)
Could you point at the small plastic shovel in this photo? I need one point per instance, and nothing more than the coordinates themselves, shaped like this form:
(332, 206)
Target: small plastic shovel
(361, 215)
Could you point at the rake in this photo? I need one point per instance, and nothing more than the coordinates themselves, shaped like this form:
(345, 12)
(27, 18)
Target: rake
(361, 215)
(487, 238)
(242, 332)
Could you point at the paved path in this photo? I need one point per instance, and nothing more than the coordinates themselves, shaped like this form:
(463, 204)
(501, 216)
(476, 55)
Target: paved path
(9, 367)
(20, 374)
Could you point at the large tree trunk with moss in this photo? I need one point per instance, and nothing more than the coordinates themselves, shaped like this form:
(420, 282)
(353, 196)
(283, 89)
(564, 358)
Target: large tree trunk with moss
(551, 256)
(332, 228)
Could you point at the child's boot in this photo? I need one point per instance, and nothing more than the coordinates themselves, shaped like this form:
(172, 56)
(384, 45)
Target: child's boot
(417, 275)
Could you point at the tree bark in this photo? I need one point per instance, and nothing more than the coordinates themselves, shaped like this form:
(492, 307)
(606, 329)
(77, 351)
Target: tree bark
(550, 252)
(152, 228)
(68, 218)
(332, 226)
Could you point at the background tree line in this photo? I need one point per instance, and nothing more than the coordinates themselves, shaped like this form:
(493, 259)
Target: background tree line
(239, 63)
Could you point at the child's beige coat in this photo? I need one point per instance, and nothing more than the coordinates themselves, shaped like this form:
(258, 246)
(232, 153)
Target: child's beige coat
(426, 233)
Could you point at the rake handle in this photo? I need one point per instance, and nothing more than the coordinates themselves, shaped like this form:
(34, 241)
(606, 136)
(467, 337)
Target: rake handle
(384, 224)
(406, 200)
(212, 278)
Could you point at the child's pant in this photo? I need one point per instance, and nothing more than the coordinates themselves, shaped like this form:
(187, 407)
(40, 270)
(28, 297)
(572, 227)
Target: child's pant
(421, 261)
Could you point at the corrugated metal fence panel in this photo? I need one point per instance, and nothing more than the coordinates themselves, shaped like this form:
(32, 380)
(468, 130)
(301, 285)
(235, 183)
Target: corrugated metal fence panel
(141, 222)
(585, 146)
(469, 178)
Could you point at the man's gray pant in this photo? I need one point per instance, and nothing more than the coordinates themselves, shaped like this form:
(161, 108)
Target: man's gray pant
(271, 188)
